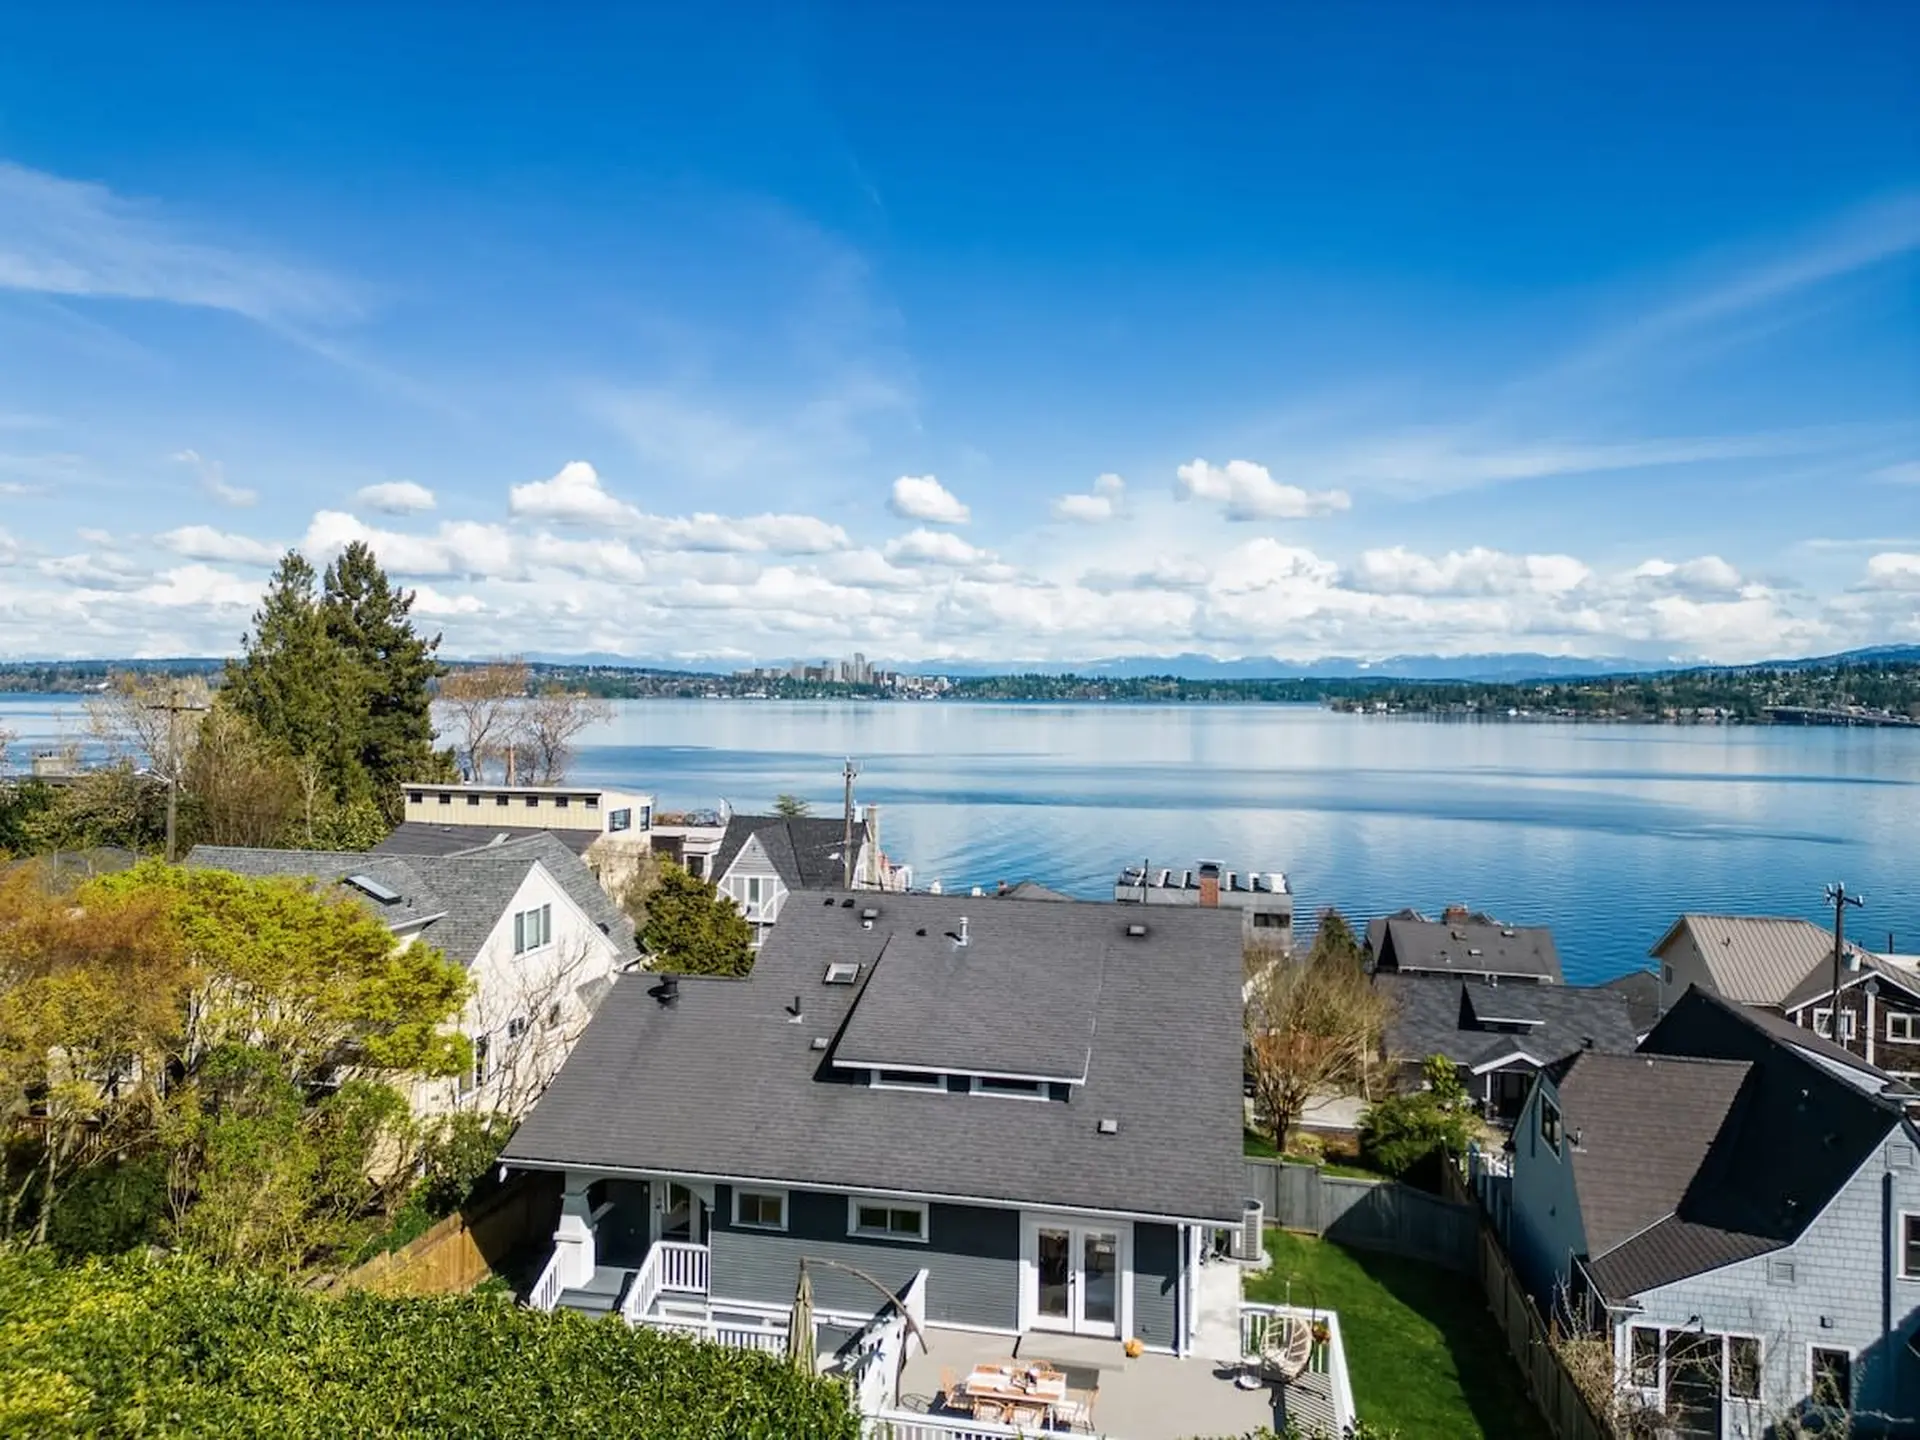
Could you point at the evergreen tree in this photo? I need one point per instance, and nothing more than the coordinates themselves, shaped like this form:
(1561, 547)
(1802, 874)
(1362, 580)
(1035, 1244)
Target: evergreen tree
(293, 684)
(693, 928)
(367, 619)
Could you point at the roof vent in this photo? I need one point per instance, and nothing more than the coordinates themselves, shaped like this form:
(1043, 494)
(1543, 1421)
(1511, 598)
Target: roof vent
(841, 972)
(1109, 1127)
(668, 990)
(960, 936)
(870, 914)
(793, 1012)
(1508, 931)
(921, 932)
(1137, 930)
(1475, 951)
(372, 888)
(828, 902)
(847, 904)
(819, 1042)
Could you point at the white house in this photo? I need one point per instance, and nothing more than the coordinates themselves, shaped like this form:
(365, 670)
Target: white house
(762, 859)
(540, 938)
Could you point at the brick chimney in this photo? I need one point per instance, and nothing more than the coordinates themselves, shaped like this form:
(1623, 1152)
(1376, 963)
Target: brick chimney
(1454, 915)
(1209, 884)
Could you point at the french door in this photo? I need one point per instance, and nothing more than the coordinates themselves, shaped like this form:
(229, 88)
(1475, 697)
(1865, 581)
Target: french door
(1077, 1275)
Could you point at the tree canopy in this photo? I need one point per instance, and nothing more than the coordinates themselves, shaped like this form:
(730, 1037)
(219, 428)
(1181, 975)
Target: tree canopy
(693, 928)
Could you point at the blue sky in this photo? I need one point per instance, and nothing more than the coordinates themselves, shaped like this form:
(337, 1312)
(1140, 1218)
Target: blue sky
(992, 332)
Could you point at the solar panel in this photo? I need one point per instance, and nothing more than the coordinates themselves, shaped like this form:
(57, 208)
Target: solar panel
(367, 885)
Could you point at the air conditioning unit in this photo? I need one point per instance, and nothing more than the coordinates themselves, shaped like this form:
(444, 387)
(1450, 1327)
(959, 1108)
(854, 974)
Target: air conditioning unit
(1247, 1239)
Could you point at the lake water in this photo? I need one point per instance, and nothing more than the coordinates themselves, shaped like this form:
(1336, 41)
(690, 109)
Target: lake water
(1605, 832)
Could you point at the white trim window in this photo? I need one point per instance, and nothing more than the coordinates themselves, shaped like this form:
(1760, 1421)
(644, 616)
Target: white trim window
(1903, 1025)
(869, 1218)
(1009, 1089)
(1745, 1367)
(906, 1080)
(1823, 1023)
(1830, 1376)
(759, 1209)
(532, 929)
(1910, 1245)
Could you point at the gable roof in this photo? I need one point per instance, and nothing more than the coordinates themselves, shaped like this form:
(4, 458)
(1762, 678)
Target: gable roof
(1753, 959)
(1442, 1015)
(1474, 946)
(1641, 990)
(454, 901)
(1165, 1062)
(1861, 965)
(1720, 1142)
(423, 837)
(805, 850)
(1034, 890)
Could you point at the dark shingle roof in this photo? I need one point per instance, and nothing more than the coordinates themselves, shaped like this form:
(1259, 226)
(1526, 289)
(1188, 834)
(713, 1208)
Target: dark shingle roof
(1641, 988)
(1439, 1015)
(422, 837)
(642, 1089)
(1034, 890)
(1476, 946)
(805, 850)
(1683, 1168)
(1864, 963)
(457, 899)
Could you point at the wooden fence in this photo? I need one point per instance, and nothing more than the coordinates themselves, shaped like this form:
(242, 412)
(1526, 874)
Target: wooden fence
(466, 1247)
(1566, 1409)
(1366, 1214)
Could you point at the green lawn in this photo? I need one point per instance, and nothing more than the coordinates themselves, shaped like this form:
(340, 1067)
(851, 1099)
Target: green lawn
(1422, 1351)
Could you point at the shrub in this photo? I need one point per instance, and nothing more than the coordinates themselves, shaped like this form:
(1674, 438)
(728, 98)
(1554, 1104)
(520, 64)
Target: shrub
(137, 1346)
(111, 1208)
(1400, 1132)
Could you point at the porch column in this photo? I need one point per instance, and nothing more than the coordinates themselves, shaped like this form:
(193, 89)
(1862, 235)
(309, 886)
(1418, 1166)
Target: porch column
(573, 1237)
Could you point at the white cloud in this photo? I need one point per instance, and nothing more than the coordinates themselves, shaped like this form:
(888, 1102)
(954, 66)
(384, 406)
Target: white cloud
(1249, 492)
(94, 536)
(779, 534)
(1905, 473)
(1893, 571)
(203, 542)
(1163, 572)
(1707, 575)
(1102, 503)
(922, 497)
(935, 547)
(394, 497)
(191, 586)
(70, 237)
(102, 570)
(213, 479)
(574, 496)
(9, 548)
(1478, 571)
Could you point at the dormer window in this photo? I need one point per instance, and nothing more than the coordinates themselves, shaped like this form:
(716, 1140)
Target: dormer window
(1012, 1089)
(907, 1080)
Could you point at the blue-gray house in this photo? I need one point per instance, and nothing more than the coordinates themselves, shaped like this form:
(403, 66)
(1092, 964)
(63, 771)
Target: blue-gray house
(1735, 1210)
(1038, 1106)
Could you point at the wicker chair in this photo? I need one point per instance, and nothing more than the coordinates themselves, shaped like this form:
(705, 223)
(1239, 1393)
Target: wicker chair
(1285, 1349)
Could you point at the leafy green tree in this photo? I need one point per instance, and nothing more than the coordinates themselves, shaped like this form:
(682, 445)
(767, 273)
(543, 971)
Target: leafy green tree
(294, 683)
(693, 928)
(22, 804)
(395, 667)
(1403, 1132)
(791, 806)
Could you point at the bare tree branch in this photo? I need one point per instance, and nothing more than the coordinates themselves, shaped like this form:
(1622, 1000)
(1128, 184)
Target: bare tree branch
(482, 702)
(549, 722)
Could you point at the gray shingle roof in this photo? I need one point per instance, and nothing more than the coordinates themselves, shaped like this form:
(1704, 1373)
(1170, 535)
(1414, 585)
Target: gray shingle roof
(458, 898)
(422, 837)
(418, 902)
(1641, 989)
(1683, 1168)
(1476, 946)
(1753, 959)
(725, 1084)
(1819, 982)
(805, 850)
(1439, 1015)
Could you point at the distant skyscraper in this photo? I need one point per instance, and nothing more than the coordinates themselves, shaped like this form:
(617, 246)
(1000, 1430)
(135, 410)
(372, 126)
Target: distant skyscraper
(861, 674)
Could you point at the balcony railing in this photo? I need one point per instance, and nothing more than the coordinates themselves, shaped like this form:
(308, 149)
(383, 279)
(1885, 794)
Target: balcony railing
(1328, 1358)
(546, 1290)
(671, 1266)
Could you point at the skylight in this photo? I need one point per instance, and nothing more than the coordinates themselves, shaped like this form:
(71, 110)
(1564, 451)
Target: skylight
(372, 888)
(841, 972)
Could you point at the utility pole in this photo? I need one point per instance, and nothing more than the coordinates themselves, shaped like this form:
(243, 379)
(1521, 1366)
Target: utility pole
(174, 708)
(846, 847)
(1838, 897)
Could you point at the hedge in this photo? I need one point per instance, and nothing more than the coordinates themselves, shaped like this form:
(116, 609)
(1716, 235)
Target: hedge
(171, 1347)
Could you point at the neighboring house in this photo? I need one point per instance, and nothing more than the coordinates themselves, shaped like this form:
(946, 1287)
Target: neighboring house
(1736, 1210)
(1499, 1036)
(1038, 1105)
(611, 830)
(539, 937)
(1748, 959)
(1463, 944)
(1031, 890)
(1879, 1008)
(762, 859)
(1263, 897)
(1641, 990)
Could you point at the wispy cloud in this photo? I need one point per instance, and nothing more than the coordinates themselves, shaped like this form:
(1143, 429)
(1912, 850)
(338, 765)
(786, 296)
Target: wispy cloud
(213, 479)
(77, 238)
(1907, 473)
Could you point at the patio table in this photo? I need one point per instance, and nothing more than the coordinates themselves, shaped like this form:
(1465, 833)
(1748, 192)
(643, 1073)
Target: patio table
(999, 1385)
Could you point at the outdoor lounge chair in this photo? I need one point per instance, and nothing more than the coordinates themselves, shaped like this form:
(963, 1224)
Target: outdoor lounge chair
(1285, 1349)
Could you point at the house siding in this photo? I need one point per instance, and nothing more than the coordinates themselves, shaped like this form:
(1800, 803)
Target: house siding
(1868, 1036)
(754, 862)
(972, 1259)
(1681, 966)
(1547, 1227)
(1156, 1284)
(1848, 1294)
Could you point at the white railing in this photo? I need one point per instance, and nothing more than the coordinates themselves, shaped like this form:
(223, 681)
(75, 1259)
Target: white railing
(546, 1290)
(906, 1425)
(682, 1266)
(1328, 1359)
